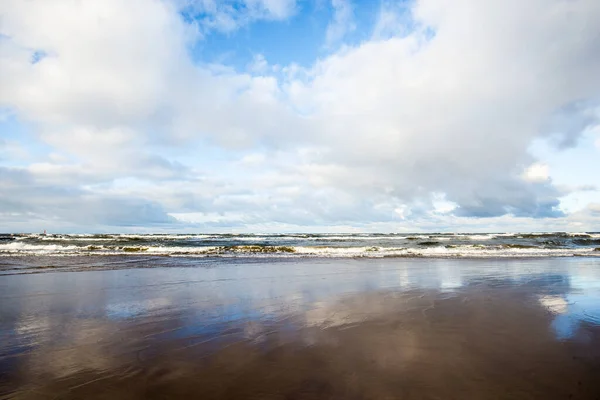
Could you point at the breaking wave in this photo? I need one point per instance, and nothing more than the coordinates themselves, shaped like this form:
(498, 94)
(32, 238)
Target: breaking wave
(558, 244)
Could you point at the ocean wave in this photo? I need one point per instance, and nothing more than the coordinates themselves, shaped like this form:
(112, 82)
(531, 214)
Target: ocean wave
(478, 237)
(17, 247)
(107, 237)
(423, 249)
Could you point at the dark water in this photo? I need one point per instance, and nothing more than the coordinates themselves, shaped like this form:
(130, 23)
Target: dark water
(304, 329)
(307, 245)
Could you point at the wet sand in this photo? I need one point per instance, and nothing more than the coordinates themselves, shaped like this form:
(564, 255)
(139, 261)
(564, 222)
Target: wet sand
(308, 329)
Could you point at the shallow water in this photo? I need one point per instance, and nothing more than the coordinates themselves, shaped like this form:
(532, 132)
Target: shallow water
(303, 328)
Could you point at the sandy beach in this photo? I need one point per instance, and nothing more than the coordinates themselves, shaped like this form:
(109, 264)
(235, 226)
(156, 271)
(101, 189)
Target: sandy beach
(305, 329)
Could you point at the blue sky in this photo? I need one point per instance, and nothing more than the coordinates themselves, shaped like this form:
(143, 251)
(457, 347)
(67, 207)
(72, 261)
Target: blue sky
(300, 39)
(289, 115)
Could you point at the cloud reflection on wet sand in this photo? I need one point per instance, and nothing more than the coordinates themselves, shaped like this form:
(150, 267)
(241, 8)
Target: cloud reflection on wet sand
(493, 337)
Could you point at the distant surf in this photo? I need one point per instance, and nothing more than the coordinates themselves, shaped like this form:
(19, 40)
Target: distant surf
(439, 245)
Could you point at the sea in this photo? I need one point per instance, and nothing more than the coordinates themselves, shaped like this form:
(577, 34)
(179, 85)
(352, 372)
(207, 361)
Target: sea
(351, 245)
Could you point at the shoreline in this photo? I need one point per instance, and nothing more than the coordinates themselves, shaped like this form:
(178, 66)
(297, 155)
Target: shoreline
(111, 262)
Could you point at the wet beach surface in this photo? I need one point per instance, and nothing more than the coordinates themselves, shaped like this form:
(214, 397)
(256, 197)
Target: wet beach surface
(304, 329)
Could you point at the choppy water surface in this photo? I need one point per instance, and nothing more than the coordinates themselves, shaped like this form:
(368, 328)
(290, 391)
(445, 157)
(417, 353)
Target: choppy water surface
(308, 245)
(303, 329)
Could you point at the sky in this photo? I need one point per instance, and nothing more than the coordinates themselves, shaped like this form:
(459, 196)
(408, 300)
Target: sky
(299, 116)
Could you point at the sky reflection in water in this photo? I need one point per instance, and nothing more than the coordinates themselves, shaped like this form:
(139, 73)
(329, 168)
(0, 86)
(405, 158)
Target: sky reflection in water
(36, 306)
(62, 330)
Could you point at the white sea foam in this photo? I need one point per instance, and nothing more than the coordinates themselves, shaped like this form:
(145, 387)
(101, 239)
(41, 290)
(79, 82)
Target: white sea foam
(476, 237)
(73, 239)
(161, 236)
(235, 247)
(20, 247)
(359, 238)
(174, 250)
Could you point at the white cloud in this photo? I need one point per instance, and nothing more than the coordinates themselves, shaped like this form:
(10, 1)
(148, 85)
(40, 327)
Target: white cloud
(342, 22)
(431, 124)
(229, 15)
(394, 19)
(454, 113)
(554, 304)
(103, 67)
(259, 65)
(10, 149)
(537, 172)
(252, 160)
(277, 9)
